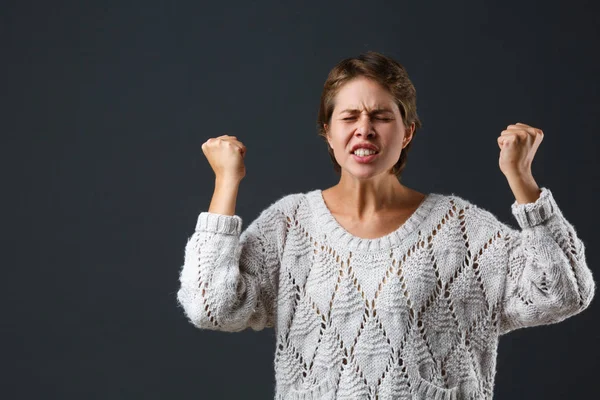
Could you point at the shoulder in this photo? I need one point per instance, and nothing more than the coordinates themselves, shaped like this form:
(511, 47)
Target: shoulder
(476, 218)
(455, 201)
(287, 204)
(281, 210)
(274, 220)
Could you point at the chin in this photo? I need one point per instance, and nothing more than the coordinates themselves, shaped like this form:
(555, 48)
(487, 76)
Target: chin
(365, 172)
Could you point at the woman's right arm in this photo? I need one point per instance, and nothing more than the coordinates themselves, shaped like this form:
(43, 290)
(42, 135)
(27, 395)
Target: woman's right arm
(228, 281)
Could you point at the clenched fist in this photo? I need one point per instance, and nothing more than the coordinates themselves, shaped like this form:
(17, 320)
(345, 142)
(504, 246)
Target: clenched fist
(225, 154)
(518, 144)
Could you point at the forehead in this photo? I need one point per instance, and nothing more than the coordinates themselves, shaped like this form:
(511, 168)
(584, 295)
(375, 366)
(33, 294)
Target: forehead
(363, 94)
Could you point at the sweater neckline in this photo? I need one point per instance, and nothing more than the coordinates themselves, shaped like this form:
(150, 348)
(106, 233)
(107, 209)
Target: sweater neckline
(338, 234)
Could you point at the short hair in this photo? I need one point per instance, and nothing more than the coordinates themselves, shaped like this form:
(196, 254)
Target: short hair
(388, 73)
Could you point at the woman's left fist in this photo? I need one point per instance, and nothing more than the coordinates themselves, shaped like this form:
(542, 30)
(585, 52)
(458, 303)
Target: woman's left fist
(518, 144)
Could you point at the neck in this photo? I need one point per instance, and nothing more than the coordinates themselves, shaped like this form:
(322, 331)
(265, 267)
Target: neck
(365, 198)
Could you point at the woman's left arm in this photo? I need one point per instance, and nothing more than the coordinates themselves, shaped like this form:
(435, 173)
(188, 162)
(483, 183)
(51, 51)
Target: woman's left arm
(548, 279)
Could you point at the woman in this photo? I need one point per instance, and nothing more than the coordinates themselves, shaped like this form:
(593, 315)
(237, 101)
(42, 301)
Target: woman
(374, 289)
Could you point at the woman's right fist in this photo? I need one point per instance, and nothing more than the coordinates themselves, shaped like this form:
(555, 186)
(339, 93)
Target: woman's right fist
(225, 154)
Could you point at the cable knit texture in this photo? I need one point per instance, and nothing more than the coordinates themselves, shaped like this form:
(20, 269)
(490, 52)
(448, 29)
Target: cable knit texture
(415, 314)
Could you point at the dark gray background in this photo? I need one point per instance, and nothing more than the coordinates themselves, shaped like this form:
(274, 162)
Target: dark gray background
(104, 109)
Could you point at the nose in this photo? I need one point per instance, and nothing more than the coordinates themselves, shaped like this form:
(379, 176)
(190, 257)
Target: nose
(364, 127)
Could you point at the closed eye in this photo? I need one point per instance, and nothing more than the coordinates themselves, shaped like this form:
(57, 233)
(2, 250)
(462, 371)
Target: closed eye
(380, 119)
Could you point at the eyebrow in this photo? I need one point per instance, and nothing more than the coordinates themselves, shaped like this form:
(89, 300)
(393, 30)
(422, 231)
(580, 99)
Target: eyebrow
(378, 110)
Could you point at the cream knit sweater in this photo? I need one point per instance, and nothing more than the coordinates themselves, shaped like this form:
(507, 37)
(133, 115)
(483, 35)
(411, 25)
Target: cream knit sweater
(415, 314)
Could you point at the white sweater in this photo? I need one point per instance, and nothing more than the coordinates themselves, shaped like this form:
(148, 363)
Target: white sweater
(415, 314)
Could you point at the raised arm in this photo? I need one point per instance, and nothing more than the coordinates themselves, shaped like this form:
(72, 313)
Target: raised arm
(229, 278)
(548, 278)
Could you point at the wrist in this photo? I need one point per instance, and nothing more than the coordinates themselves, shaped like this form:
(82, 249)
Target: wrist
(524, 188)
(227, 181)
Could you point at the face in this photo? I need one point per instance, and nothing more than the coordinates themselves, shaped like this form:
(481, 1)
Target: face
(365, 112)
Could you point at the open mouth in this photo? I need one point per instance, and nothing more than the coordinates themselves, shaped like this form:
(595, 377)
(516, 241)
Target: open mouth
(364, 157)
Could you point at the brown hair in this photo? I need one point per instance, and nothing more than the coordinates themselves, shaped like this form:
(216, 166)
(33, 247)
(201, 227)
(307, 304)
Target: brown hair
(388, 73)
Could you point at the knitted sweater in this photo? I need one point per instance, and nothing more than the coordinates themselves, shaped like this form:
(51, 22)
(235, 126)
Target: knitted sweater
(415, 314)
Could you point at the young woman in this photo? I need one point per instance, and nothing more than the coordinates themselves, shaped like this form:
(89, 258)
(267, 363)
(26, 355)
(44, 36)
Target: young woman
(377, 291)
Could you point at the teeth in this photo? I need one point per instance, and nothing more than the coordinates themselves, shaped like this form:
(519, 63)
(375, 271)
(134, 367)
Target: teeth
(364, 152)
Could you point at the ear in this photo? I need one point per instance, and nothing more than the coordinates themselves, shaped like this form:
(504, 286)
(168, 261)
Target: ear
(326, 129)
(408, 134)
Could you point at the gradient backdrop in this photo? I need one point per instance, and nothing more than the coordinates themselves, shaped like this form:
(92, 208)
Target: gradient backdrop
(104, 108)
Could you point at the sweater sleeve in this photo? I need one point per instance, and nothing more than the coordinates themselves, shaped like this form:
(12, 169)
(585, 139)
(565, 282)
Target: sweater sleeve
(548, 279)
(228, 281)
